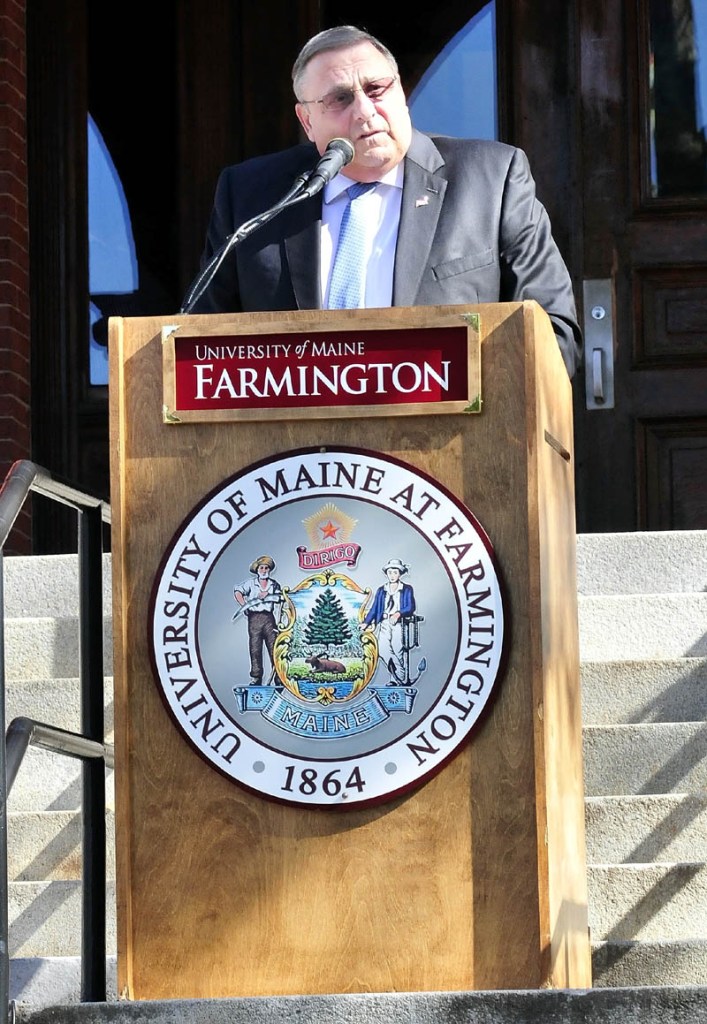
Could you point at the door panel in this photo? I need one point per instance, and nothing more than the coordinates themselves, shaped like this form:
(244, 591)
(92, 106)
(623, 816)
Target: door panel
(642, 464)
(674, 465)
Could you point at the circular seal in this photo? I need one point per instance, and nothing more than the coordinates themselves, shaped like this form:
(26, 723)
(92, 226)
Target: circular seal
(327, 626)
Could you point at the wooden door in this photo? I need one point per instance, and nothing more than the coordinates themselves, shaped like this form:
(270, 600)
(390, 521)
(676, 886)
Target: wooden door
(643, 195)
(574, 91)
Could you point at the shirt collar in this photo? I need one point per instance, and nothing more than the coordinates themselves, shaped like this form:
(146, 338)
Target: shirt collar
(334, 188)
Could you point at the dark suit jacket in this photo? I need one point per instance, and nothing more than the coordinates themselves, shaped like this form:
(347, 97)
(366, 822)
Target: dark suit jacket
(480, 235)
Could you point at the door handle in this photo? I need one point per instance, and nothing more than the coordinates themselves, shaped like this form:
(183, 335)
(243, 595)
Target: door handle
(599, 343)
(597, 376)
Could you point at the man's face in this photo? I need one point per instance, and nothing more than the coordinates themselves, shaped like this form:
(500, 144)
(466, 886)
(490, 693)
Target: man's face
(379, 128)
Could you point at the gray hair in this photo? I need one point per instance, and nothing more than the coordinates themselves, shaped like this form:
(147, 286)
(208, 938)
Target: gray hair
(335, 39)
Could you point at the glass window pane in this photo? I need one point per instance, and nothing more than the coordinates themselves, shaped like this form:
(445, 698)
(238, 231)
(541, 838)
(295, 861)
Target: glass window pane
(112, 264)
(457, 93)
(678, 97)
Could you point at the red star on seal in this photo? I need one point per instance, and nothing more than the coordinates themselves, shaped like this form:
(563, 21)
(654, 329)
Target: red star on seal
(330, 531)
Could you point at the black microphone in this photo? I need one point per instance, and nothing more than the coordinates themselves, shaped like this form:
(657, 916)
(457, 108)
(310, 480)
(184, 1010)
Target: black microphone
(338, 154)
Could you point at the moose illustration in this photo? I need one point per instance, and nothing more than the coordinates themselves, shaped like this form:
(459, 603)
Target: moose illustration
(320, 664)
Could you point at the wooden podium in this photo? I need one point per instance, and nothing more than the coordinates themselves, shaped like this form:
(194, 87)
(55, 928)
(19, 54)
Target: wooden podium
(476, 879)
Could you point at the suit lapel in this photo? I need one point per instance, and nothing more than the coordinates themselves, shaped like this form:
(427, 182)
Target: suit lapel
(423, 194)
(302, 242)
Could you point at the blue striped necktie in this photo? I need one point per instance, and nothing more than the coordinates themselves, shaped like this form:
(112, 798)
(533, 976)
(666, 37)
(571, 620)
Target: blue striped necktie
(347, 285)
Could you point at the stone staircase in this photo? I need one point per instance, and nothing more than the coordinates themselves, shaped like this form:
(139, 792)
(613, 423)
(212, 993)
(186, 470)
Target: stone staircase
(44, 819)
(643, 643)
(643, 647)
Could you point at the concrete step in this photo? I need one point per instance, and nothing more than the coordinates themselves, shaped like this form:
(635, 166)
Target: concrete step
(629, 964)
(614, 628)
(46, 846)
(51, 782)
(659, 562)
(659, 627)
(36, 586)
(615, 692)
(647, 902)
(642, 627)
(54, 701)
(37, 982)
(45, 918)
(655, 1005)
(660, 757)
(41, 981)
(48, 648)
(640, 829)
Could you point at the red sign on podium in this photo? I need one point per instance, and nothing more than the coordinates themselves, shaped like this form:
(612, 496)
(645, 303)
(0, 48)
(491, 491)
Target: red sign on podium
(321, 372)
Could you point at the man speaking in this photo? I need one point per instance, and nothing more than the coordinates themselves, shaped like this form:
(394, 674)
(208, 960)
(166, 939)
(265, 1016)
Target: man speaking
(396, 218)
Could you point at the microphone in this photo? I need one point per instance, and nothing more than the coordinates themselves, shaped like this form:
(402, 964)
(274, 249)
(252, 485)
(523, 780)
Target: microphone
(338, 154)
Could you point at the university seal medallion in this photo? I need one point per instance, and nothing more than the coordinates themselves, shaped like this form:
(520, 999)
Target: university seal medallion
(327, 626)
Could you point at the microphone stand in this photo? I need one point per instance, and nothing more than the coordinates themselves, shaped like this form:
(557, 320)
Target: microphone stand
(296, 194)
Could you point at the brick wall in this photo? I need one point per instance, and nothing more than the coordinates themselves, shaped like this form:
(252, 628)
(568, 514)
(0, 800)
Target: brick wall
(14, 258)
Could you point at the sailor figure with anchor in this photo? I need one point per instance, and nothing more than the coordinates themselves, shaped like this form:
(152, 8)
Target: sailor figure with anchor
(260, 599)
(392, 613)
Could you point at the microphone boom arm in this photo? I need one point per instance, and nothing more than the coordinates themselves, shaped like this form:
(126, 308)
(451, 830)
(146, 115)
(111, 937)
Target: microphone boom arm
(204, 279)
(338, 153)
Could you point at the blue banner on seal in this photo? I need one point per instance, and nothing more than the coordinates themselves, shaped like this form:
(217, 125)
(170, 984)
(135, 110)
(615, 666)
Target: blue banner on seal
(325, 723)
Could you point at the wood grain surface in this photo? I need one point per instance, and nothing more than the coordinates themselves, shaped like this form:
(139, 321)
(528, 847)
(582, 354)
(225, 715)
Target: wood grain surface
(477, 879)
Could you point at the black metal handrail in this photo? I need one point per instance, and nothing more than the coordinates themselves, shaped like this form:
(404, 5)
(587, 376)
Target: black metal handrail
(23, 478)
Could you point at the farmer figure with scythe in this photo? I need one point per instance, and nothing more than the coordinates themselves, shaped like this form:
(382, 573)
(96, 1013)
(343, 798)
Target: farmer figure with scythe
(260, 599)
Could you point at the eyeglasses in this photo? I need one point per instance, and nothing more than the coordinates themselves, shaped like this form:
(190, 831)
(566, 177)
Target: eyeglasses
(339, 99)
